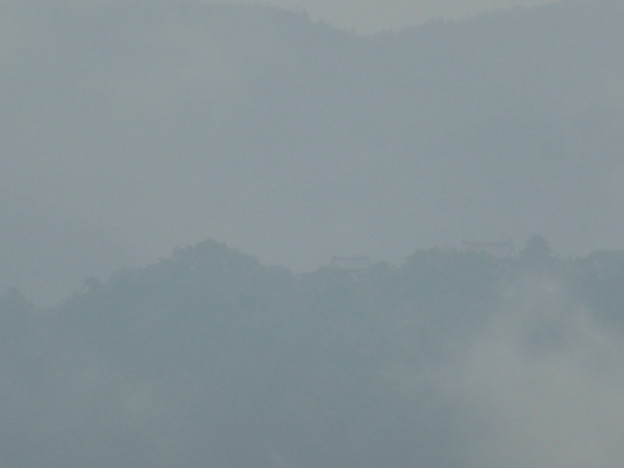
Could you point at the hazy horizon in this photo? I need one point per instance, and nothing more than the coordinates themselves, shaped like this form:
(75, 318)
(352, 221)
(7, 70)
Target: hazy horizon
(374, 16)
(162, 124)
(176, 178)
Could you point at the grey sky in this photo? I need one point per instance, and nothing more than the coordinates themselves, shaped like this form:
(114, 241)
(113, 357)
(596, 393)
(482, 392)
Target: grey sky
(367, 16)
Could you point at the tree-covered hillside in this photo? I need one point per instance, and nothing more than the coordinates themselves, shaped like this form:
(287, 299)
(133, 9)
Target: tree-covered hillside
(209, 358)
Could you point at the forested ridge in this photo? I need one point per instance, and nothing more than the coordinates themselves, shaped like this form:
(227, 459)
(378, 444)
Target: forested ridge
(209, 358)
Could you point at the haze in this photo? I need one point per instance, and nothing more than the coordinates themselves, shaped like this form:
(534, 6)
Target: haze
(328, 234)
(369, 16)
(140, 127)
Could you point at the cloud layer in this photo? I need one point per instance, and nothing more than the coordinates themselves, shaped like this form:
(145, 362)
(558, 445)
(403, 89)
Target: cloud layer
(542, 384)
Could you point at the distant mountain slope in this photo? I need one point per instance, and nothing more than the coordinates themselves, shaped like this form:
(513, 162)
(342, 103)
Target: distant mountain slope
(171, 122)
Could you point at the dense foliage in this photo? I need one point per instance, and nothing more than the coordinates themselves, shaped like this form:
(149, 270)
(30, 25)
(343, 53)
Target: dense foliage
(209, 358)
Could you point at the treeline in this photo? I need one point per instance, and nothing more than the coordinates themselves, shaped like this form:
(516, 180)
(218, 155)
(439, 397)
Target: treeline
(209, 358)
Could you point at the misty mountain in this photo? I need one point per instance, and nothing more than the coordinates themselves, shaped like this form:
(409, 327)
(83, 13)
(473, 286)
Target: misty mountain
(171, 122)
(209, 358)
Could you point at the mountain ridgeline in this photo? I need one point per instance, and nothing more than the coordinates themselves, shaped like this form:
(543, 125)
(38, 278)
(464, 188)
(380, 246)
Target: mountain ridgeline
(163, 123)
(209, 358)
